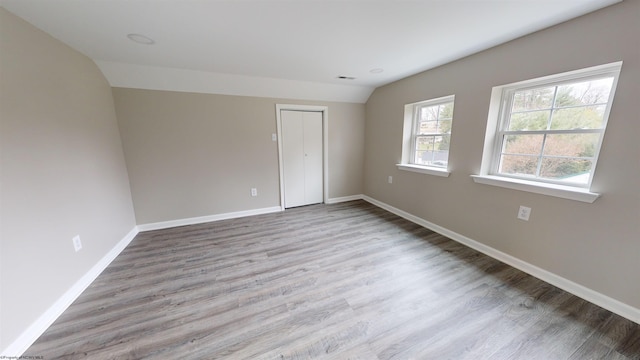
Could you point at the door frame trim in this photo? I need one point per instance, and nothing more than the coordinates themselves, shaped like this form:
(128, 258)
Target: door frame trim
(325, 145)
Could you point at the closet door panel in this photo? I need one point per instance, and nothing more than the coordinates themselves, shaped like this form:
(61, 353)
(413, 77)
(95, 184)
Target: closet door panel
(313, 174)
(293, 158)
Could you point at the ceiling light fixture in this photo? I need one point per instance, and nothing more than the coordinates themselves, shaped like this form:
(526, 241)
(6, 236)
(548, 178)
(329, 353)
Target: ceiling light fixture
(376, 71)
(141, 39)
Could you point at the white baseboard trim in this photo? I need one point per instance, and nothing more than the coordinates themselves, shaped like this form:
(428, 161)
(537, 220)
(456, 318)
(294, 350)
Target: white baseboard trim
(206, 219)
(344, 199)
(604, 301)
(38, 327)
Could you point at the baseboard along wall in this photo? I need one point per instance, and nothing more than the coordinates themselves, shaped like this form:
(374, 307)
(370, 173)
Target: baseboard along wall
(36, 329)
(344, 199)
(611, 304)
(206, 219)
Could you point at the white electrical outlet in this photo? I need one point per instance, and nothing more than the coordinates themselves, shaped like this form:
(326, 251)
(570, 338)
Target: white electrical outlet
(390, 179)
(254, 192)
(77, 244)
(524, 213)
(274, 137)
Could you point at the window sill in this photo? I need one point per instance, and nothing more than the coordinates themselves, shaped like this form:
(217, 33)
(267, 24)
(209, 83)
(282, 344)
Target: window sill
(565, 192)
(424, 169)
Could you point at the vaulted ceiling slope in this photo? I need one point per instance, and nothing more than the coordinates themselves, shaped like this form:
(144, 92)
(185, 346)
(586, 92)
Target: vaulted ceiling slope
(287, 49)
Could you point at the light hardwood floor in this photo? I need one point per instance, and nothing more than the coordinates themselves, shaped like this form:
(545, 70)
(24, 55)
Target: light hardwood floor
(342, 281)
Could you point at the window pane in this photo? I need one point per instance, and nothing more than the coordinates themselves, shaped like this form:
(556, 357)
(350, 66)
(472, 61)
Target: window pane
(584, 93)
(523, 144)
(442, 142)
(444, 127)
(566, 169)
(518, 164)
(424, 143)
(432, 158)
(427, 127)
(584, 117)
(439, 160)
(574, 145)
(423, 157)
(446, 111)
(534, 120)
(432, 150)
(533, 99)
(429, 113)
(441, 150)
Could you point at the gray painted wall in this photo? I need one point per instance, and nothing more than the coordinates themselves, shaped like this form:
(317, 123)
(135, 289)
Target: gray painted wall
(192, 155)
(63, 172)
(596, 245)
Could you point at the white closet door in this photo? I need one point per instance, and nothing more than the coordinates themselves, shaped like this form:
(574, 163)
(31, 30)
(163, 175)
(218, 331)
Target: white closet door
(293, 157)
(312, 157)
(302, 157)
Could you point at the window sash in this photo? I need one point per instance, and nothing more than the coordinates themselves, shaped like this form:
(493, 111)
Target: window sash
(506, 112)
(415, 129)
(539, 159)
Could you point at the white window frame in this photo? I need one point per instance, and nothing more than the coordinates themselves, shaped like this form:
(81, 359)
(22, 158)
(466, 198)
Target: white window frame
(411, 113)
(499, 111)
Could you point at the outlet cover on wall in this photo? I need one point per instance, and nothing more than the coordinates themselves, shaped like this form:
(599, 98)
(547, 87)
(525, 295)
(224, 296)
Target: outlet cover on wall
(77, 244)
(254, 192)
(524, 213)
(390, 179)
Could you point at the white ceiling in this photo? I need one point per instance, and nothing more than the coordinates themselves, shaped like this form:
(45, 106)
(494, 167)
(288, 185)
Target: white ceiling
(290, 49)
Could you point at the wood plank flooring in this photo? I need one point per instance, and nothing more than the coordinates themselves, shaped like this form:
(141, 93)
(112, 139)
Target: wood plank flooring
(342, 281)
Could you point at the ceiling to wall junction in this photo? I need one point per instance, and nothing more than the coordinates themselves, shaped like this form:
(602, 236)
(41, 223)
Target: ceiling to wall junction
(286, 49)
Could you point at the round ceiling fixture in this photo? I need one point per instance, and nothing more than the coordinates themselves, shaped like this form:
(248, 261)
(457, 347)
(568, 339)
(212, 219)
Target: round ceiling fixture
(376, 71)
(141, 39)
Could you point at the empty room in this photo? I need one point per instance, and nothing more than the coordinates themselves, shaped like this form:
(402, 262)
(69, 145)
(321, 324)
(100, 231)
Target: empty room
(320, 179)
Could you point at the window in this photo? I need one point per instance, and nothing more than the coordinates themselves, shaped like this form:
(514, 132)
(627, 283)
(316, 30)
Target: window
(548, 131)
(427, 135)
